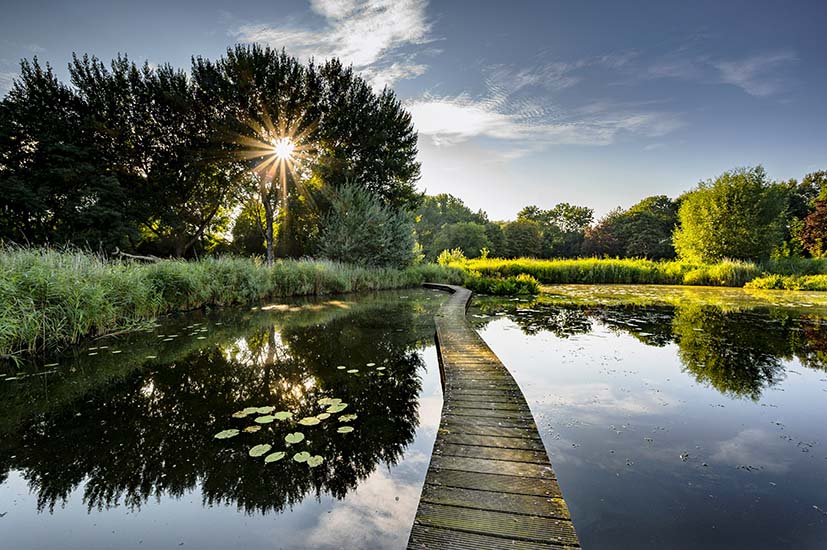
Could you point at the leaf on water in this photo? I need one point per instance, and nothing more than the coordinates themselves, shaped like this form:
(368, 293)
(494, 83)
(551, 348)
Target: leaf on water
(274, 457)
(325, 401)
(309, 421)
(323, 416)
(93, 353)
(283, 415)
(116, 351)
(226, 434)
(301, 457)
(259, 450)
(293, 438)
(252, 429)
(345, 429)
(265, 410)
(371, 365)
(265, 419)
(335, 401)
(348, 417)
(201, 338)
(152, 357)
(338, 407)
(51, 365)
(381, 368)
(341, 367)
(380, 374)
(314, 461)
(250, 410)
(352, 371)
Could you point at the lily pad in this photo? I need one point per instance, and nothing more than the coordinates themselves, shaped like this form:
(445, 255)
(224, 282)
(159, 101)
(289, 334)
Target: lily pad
(274, 457)
(252, 429)
(239, 414)
(348, 417)
(325, 401)
(345, 429)
(309, 421)
(352, 371)
(341, 367)
(338, 407)
(323, 416)
(381, 368)
(314, 461)
(226, 434)
(301, 457)
(293, 438)
(265, 410)
(283, 415)
(259, 450)
(265, 419)
(152, 357)
(371, 365)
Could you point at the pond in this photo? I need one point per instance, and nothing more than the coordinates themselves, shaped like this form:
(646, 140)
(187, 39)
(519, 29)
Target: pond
(338, 401)
(676, 418)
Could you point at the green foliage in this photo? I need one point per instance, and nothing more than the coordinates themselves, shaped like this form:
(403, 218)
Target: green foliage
(739, 215)
(790, 282)
(439, 211)
(562, 229)
(248, 230)
(813, 232)
(362, 230)
(643, 231)
(502, 286)
(470, 237)
(50, 299)
(447, 257)
(523, 238)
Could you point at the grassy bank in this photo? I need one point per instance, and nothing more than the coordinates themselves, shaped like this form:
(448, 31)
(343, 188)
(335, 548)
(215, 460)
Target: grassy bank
(636, 271)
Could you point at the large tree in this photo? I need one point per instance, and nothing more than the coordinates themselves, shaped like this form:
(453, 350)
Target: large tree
(437, 211)
(643, 231)
(739, 215)
(470, 237)
(562, 227)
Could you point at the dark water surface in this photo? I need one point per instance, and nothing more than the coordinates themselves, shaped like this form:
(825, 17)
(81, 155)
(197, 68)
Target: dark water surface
(699, 421)
(115, 446)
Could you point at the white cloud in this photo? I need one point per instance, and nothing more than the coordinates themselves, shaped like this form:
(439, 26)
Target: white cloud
(365, 33)
(756, 75)
(755, 448)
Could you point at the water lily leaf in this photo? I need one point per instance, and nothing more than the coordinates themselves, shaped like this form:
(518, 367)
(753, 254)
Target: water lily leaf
(309, 421)
(325, 401)
(259, 450)
(314, 461)
(348, 417)
(283, 415)
(252, 429)
(381, 368)
(152, 357)
(239, 414)
(323, 416)
(250, 410)
(371, 365)
(301, 457)
(338, 407)
(334, 401)
(265, 419)
(93, 353)
(201, 338)
(265, 410)
(116, 351)
(345, 429)
(352, 371)
(274, 457)
(380, 374)
(341, 367)
(293, 438)
(226, 434)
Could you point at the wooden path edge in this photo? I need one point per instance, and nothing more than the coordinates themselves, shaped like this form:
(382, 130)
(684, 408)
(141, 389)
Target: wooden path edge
(490, 484)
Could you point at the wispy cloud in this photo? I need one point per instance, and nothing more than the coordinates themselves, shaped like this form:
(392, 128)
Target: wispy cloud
(369, 34)
(756, 75)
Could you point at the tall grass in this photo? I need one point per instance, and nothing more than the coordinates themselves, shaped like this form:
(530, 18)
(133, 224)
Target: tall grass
(638, 271)
(50, 299)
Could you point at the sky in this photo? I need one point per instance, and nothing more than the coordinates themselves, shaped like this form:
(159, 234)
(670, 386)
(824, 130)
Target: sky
(516, 103)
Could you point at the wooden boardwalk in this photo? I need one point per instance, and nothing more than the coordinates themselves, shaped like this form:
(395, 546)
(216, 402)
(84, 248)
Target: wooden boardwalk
(490, 484)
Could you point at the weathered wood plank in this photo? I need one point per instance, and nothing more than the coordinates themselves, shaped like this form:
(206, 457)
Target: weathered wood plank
(490, 484)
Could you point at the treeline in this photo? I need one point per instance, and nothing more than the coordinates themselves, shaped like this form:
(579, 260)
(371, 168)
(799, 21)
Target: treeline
(741, 215)
(167, 162)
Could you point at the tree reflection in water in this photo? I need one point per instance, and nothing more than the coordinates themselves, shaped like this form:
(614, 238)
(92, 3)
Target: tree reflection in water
(149, 433)
(738, 352)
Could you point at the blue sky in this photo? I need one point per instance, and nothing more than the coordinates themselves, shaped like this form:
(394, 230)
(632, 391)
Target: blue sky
(595, 103)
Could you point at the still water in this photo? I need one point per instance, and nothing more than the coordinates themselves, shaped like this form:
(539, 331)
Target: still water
(676, 418)
(115, 447)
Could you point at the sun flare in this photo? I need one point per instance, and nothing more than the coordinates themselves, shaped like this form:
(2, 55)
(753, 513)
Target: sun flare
(283, 148)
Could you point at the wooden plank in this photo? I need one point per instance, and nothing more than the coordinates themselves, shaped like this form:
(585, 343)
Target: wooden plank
(490, 483)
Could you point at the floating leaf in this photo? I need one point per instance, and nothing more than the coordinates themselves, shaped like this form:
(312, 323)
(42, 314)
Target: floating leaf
(265, 419)
(265, 410)
(381, 368)
(293, 438)
(259, 450)
(283, 415)
(93, 353)
(341, 367)
(226, 434)
(309, 421)
(201, 338)
(345, 429)
(380, 374)
(325, 401)
(348, 417)
(301, 457)
(371, 365)
(250, 410)
(51, 365)
(323, 416)
(152, 357)
(334, 401)
(239, 414)
(338, 407)
(314, 461)
(274, 457)
(116, 351)
(352, 371)
(252, 429)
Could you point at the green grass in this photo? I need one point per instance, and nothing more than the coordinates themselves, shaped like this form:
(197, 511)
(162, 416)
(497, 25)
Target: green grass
(637, 271)
(51, 299)
(789, 282)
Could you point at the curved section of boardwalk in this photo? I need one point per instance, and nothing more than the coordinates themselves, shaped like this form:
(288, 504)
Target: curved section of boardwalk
(490, 484)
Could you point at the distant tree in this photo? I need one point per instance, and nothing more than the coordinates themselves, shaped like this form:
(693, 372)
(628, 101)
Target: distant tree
(248, 230)
(523, 238)
(469, 237)
(437, 211)
(740, 215)
(562, 227)
(646, 228)
(605, 237)
(360, 228)
(497, 246)
(813, 234)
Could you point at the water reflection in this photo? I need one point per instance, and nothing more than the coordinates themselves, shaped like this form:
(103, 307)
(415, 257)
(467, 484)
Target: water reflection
(127, 429)
(738, 352)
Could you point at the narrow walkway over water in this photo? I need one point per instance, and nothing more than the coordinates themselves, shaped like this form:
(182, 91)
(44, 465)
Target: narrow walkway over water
(490, 484)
